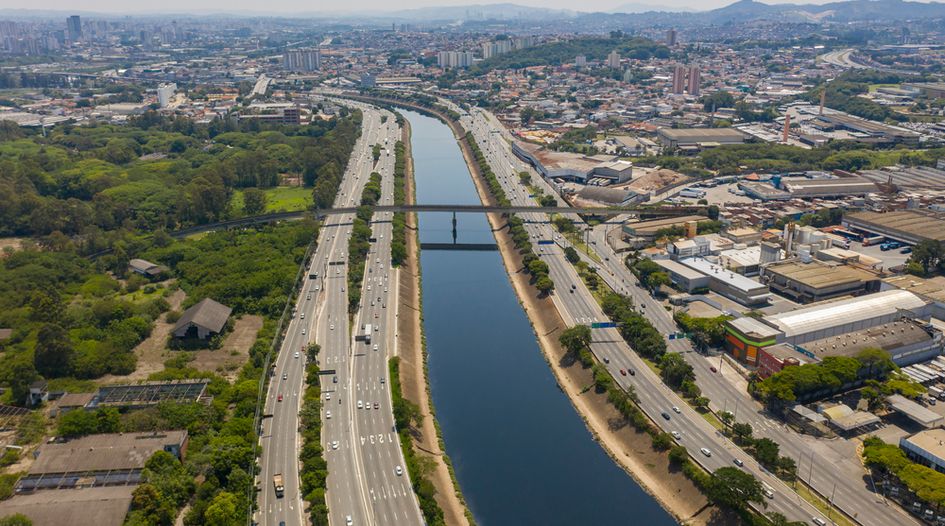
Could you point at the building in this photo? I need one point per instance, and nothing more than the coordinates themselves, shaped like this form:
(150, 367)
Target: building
(148, 393)
(671, 37)
(774, 358)
(165, 92)
(844, 316)
(679, 79)
(744, 261)
(572, 166)
(698, 246)
(613, 60)
(580, 61)
(683, 277)
(908, 226)
(698, 138)
(748, 236)
(817, 280)
(745, 291)
(649, 229)
(695, 81)
(277, 112)
(455, 59)
(863, 130)
(145, 268)
(101, 506)
(305, 60)
(926, 448)
(74, 28)
(931, 290)
(906, 341)
(804, 188)
(202, 320)
(915, 412)
(745, 337)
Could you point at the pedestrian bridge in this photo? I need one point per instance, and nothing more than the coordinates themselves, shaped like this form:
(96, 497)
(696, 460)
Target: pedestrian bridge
(650, 211)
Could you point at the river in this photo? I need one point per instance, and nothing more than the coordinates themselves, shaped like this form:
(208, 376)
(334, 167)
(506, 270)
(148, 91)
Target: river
(521, 453)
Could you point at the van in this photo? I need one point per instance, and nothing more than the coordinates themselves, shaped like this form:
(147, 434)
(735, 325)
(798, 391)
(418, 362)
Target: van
(767, 490)
(705, 452)
(818, 521)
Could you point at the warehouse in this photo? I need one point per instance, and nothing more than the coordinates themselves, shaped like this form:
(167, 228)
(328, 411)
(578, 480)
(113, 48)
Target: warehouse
(907, 226)
(930, 289)
(817, 280)
(649, 229)
(698, 138)
(573, 166)
(734, 286)
(907, 342)
(840, 317)
(927, 448)
(683, 277)
(908, 177)
(804, 188)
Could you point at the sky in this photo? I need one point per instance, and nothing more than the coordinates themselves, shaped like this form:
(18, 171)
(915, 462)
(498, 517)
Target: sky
(309, 6)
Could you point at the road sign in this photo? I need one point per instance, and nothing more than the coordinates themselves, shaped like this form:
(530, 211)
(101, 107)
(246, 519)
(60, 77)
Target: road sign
(546, 242)
(603, 325)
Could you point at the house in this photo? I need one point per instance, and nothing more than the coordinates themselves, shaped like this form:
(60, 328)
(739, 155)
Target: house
(202, 320)
(39, 393)
(145, 268)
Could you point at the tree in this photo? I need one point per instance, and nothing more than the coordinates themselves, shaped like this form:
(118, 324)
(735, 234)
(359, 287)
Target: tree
(17, 519)
(545, 285)
(928, 254)
(742, 432)
(571, 255)
(53, 353)
(223, 510)
(675, 370)
(77, 423)
(766, 451)
(254, 201)
(662, 441)
(877, 362)
(576, 339)
(788, 468)
(734, 488)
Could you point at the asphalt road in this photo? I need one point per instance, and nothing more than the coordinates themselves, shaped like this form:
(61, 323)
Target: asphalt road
(579, 306)
(360, 445)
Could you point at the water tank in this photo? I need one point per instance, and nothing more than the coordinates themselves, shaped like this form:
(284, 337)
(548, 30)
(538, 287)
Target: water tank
(804, 254)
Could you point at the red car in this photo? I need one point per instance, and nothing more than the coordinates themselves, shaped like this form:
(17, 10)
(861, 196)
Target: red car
(280, 398)
(622, 372)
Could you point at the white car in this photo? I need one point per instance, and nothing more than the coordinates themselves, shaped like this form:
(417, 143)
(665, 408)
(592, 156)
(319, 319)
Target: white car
(303, 332)
(676, 435)
(328, 414)
(705, 452)
(296, 354)
(348, 521)
(399, 471)
(360, 405)
(334, 444)
(302, 315)
(327, 396)
(676, 410)
(375, 346)
(332, 326)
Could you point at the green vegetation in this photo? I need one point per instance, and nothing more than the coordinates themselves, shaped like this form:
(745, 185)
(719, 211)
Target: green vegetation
(407, 416)
(358, 247)
(638, 332)
(278, 199)
(167, 486)
(314, 470)
(104, 182)
(888, 459)
(561, 52)
(764, 450)
(705, 332)
(577, 341)
(17, 519)
(398, 245)
(843, 91)
(537, 268)
(821, 379)
(927, 256)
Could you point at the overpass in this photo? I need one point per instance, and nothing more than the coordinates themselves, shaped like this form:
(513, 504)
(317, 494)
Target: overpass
(650, 211)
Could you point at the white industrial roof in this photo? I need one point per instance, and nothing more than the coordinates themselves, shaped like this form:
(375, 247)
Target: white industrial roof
(714, 270)
(682, 270)
(820, 317)
(914, 411)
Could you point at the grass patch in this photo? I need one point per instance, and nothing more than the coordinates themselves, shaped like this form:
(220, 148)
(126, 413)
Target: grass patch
(712, 419)
(279, 199)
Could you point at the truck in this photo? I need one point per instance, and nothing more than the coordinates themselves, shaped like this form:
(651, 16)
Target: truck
(278, 485)
(312, 274)
(366, 335)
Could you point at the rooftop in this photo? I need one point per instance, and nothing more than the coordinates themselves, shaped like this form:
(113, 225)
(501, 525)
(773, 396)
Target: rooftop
(654, 225)
(825, 316)
(698, 133)
(887, 337)
(102, 506)
(207, 313)
(737, 281)
(918, 223)
(679, 269)
(931, 288)
(931, 441)
(112, 452)
(818, 274)
(914, 411)
(755, 328)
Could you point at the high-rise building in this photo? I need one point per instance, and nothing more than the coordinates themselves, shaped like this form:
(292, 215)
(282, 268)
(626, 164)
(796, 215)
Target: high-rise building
(580, 61)
(74, 28)
(695, 81)
(165, 93)
(302, 59)
(613, 60)
(455, 59)
(671, 37)
(679, 79)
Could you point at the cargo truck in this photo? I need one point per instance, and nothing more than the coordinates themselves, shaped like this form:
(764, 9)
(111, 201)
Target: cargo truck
(278, 485)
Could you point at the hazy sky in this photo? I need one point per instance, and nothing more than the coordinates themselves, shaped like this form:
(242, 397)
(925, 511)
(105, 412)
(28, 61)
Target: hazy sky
(295, 6)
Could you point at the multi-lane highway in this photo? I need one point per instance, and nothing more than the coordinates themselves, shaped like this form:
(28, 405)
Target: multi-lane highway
(367, 483)
(579, 307)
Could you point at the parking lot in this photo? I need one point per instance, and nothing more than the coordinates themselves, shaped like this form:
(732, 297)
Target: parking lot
(890, 258)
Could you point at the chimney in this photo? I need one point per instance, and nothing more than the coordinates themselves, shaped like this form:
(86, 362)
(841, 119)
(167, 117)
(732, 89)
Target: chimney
(787, 128)
(823, 98)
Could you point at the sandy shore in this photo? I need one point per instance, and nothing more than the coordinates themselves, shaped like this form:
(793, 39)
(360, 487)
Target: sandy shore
(630, 449)
(413, 377)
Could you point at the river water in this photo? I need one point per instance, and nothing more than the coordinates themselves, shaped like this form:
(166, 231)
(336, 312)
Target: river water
(521, 453)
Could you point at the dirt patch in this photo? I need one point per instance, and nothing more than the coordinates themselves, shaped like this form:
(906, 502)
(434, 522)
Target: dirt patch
(153, 351)
(8, 244)
(630, 449)
(412, 362)
(234, 352)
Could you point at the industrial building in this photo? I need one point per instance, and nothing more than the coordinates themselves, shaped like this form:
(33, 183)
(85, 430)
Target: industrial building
(804, 188)
(926, 448)
(648, 229)
(698, 138)
(908, 226)
(908, 177)
(573, 166)
(745, 291)
(907, 342)
(931, 290)
(915, 412)
(746, 336)
(864, 130)
(683, 277)
(817, 280)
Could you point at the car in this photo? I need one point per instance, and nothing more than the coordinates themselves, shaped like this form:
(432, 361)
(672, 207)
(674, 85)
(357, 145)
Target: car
(818, 521)
(713, 369)
(296, 354)
(334, 444)
(907, 250)
(302, 315)
(327, 396)
(399, 471)
(285, 376)
(738, 462)
(308, 297)
(665, 415)
(606, 359)
(377, 328)
(348, 521)
(367, 405)
(280, 398)
(303, 331)
(377, 405)
(705, 452)
(632, 372)
(332, 326)
(360, 405)
(334, 379)
(328, 414)
(623, 372)
(382, 380)
(676, 410)
(375, 346)
(675, 434)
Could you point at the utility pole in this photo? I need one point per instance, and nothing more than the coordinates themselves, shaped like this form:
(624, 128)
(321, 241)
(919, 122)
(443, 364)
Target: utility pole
(830, 503)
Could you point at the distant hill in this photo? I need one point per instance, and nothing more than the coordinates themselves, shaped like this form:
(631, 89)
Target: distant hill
(646, 8)
(564, 51)
(849, 11)
(481, 12)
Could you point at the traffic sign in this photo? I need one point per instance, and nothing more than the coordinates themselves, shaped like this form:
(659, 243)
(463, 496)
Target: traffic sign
(603, 325)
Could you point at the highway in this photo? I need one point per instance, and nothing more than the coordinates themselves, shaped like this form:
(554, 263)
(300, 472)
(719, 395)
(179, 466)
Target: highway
(579, 307)
(356, 467)
(836, 475)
